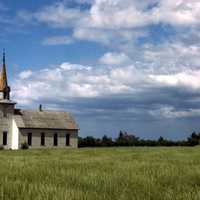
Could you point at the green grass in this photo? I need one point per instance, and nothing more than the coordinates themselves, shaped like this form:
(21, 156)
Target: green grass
(101, 173)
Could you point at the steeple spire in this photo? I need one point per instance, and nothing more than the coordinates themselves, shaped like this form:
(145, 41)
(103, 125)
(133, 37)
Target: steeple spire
(4, 88)
(3, 77)
(4, 57)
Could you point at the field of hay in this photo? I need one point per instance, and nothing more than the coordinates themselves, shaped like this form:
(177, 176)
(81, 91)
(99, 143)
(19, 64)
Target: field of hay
(101, 173)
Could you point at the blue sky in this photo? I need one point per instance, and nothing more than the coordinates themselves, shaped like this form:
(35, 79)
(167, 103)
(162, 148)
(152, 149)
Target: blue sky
(115, 64)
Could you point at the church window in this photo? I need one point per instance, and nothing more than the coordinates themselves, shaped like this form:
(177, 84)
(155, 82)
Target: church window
(29, 139)
(42, 139)
(5, 138)
(67, 139)
(4, 112)
(55, 139)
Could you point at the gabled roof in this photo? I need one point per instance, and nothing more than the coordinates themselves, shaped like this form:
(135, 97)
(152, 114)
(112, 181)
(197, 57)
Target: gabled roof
(45, 120)
(6, 101)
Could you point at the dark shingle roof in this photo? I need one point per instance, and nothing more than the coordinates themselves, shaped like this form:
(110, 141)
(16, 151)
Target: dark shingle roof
(45, 120)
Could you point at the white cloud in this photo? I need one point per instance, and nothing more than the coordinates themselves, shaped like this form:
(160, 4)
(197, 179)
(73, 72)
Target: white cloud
(170, 112)
(118, 14)
(58, 40)
(93, 35)
(74, 67)
(112, 14)
(58, 15)
(171, 57)
(110, 38)
(69, 80)
(140, 89)
(179, 12)
(25, 74)
(189, 79)
(114, 58)
(116, 23)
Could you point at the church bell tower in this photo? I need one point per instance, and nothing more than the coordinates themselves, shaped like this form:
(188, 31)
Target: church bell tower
(4, 88)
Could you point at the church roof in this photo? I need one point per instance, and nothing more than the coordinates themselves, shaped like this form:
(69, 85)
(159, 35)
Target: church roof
(45, 120)
(6, 101)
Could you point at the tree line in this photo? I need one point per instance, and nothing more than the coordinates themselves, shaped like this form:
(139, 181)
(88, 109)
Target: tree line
(125, 139)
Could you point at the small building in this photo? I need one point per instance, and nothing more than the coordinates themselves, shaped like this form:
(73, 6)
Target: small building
(37, 128)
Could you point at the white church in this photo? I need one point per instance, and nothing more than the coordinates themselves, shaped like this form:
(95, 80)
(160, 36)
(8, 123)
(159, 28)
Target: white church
(35, 128)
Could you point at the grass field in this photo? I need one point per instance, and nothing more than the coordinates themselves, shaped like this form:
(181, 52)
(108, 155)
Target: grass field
(101, 173)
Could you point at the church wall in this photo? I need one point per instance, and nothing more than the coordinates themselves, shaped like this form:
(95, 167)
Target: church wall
(15, 136)
(6, 115)
(5, 126)
(6, 110)
(36, 138)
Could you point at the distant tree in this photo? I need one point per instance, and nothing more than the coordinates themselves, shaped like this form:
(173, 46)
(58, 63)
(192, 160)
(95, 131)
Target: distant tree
(88, 141)
(161, 140)
(125, 139)
(98, 142)
(106, 141)
(121, 135)
(194, 139)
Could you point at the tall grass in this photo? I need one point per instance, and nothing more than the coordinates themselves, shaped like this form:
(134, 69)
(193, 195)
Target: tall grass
(101, 173)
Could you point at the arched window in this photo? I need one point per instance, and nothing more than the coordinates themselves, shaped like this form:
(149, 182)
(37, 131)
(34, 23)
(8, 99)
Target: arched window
(42, 139)
(55, 139)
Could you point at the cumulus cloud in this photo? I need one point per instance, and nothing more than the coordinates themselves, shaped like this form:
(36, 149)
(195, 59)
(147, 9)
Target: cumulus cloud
(114, 58)
(58, 15)
(170, 57)
(110, 38)
(119, 24)
(154, 92)
(171, 112)
(115, 14)
(25, 74)
(179, 13)
(118, 14)
(70, 80)
(189, 79)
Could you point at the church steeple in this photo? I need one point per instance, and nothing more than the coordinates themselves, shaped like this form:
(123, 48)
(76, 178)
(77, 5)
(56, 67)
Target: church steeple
(4, 88)
(3, 78)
